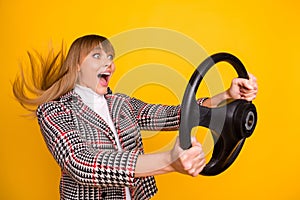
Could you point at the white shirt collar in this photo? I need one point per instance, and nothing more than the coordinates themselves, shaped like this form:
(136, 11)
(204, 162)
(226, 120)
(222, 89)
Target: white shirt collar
(88, 95)
(93, 100)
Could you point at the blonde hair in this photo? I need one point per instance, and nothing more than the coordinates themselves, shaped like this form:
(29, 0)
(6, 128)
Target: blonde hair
(55, 74)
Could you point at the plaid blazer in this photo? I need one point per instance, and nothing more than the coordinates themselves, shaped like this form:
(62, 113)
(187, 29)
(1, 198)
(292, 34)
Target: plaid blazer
(86, 150)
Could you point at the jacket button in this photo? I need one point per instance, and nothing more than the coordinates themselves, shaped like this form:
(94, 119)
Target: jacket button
(75, 99)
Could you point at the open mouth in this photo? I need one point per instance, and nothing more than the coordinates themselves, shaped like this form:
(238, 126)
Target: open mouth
(104, 78)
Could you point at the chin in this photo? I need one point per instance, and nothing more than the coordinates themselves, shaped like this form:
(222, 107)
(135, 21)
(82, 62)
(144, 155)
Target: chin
(101, 91)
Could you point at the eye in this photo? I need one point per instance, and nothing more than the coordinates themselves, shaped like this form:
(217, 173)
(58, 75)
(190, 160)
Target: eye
(110, 57)
(96, 55)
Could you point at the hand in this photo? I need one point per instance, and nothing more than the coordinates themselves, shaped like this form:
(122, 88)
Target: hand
(243, 88)
(190, 161)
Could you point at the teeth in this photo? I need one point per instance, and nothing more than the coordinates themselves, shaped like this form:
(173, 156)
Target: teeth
(103, 74)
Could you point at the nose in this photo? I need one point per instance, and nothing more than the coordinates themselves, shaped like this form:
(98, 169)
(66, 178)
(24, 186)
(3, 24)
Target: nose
(107, 60)
(107, 63)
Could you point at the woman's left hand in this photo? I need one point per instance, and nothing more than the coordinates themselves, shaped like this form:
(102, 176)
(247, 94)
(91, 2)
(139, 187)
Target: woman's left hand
(243, 88)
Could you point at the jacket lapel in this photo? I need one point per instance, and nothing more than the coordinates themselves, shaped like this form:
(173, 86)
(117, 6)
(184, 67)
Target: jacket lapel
(90, 116)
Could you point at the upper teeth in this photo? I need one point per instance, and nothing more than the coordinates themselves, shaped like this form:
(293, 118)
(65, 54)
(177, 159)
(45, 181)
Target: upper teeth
(104, 73)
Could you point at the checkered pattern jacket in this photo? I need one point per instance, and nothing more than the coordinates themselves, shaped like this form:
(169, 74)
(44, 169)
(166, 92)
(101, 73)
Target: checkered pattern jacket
(86, 150)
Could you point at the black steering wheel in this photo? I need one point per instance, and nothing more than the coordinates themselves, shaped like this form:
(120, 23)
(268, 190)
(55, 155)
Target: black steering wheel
(230, 123)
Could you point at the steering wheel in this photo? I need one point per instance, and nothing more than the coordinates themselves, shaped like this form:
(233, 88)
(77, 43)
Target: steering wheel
(230, 123)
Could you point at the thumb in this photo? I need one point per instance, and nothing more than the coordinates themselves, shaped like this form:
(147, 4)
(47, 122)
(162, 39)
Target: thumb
(195, 141)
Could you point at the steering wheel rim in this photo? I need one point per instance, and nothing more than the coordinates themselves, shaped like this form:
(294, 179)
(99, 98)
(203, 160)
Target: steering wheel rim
(227, 122)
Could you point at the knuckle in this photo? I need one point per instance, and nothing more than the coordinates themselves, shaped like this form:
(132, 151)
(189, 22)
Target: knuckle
(235, 80)
(191, 171)
(187, 166)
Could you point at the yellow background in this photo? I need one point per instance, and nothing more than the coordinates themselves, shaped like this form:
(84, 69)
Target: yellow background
(263, 34)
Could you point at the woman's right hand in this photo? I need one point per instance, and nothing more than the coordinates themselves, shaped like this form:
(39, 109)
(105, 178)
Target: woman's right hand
(190, 161)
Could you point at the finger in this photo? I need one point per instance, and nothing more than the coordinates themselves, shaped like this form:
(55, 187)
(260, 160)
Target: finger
(248, 97)
(187, 166)
(248, 94)
(195, 142)
(242, 83)
(198, 167)
(194, 153)
(199, 170)
(246, 84)
(195, 165)
(191, 158)
(247, 91)
(200, 163)
(198, 158)
(253, 80)
(252, 77)
(191, 171)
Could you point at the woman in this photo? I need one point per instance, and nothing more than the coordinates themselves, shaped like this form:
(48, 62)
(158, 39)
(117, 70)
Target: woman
(95, 136)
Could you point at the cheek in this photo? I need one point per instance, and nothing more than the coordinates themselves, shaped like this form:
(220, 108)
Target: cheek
(113, 67)
(87, 77)
(87, 69)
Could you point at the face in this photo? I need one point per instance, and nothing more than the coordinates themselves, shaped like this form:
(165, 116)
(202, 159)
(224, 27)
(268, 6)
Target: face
(96, 70)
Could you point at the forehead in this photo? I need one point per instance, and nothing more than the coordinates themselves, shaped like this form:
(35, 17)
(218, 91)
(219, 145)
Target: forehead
(97, 48)
(102, 46)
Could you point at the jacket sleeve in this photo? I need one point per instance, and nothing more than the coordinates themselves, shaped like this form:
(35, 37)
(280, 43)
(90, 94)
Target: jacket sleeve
(95, 168)
(156, 116)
